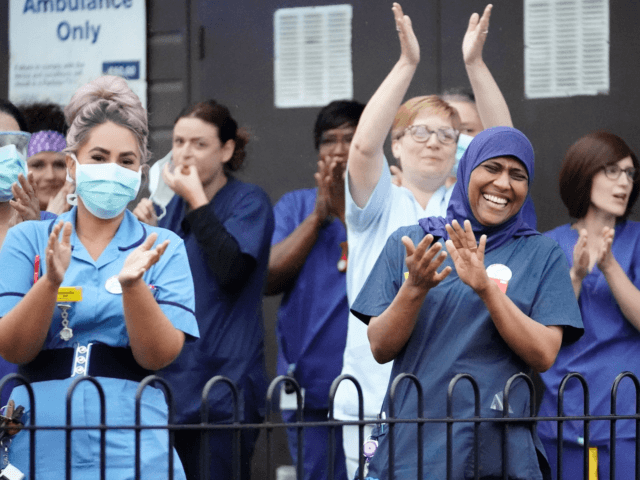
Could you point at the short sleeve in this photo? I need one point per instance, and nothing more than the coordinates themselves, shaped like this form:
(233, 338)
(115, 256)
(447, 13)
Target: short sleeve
(288, 213)
(251, 221)
(359, 219)
(384, 281)
(174, 288)
(44, 215)
(17, 262)
(555, 301)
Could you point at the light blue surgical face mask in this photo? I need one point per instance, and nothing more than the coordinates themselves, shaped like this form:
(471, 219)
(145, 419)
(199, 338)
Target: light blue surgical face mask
(161, 193)
(463, 143)
(106, 188)
(12, 163)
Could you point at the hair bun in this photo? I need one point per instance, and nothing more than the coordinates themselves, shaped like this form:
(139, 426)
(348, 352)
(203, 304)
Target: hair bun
(108, 87)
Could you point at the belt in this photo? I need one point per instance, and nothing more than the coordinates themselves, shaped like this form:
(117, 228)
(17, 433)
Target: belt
(97, 360)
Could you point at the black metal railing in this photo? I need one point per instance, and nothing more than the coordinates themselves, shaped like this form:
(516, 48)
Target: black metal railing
(269, 426)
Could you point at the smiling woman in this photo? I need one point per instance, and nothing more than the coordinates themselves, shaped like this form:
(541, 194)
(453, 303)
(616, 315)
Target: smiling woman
(598, 185)
(437, 315)
(498, 189)
(117, 329)
(46, 160)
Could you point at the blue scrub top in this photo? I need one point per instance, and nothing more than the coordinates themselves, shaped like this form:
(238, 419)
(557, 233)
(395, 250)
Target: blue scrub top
(455, 334)
(610, 346)
(231, 325)
(313, 314)
(98, 317)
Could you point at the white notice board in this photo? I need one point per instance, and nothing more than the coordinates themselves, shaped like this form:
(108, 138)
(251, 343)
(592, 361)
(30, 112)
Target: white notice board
(55, 46)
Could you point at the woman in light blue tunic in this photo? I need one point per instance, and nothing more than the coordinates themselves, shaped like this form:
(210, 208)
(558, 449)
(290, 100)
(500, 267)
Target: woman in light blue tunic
(129, 304)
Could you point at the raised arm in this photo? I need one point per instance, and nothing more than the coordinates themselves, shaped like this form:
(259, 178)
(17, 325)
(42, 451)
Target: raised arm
(366, 157)
(492, 107)
(533, 342)
(289, 255)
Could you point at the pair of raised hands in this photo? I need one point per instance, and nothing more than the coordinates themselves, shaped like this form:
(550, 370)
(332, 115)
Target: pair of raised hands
(582, 263)
(25, 201)
(330, 182)
(183, 180)
(472, 44)
(424, 260)
(58, 256)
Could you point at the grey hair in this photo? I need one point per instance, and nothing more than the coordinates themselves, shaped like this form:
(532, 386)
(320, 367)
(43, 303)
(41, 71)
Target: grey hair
(106, 99)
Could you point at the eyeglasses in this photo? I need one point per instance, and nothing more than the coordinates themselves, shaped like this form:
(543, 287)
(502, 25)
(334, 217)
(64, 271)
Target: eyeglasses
(613, 172)
(422, 133)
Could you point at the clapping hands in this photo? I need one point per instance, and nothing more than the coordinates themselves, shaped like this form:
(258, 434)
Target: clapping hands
(468, 255)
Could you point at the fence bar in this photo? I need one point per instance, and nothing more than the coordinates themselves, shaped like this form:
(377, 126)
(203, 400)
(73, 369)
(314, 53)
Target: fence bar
(476, 426)
(332, 394)
(299, 418)
(614, 408)
(392, 400)
(103, 432)
(505, 414)
(585, 394)
(168, 393)
(205, 468)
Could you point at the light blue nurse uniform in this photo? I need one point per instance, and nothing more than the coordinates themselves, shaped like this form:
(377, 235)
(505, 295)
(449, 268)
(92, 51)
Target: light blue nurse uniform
(97, 319)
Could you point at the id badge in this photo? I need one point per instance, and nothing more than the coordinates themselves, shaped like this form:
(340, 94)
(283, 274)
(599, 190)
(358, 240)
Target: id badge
(288, 401)
(11, 473)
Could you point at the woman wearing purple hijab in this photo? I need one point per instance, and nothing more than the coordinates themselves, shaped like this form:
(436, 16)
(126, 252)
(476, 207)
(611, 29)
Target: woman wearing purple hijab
(491, 309)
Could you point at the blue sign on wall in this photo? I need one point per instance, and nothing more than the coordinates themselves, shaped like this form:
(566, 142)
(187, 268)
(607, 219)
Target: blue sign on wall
(126, 70)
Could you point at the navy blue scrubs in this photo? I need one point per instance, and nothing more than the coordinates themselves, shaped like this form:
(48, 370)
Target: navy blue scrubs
(231, 326)
(455, 334)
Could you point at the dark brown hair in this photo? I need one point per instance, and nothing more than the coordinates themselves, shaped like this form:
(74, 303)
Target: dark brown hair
(212, 112)
(583, 160)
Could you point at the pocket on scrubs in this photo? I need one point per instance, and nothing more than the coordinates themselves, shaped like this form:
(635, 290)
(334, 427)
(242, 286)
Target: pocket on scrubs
(522, 455)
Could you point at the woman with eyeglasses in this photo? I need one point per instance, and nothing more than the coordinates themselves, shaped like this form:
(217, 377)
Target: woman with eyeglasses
(424, 133)
(598, 185)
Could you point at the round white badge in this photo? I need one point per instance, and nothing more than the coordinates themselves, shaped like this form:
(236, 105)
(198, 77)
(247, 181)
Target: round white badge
(112, 285)
(499, 272)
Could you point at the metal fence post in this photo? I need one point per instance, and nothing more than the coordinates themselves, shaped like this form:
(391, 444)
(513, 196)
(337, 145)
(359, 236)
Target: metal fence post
(204, 420)
(614, 407)
(332, 393)
(103, 432)
(476, 425)
(585, 390)
(147, 381)
(299, 419)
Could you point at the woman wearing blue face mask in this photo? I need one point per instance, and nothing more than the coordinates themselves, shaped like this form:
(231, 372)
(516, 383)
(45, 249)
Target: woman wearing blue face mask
(12, 125)
(129, 307)
(14, 140)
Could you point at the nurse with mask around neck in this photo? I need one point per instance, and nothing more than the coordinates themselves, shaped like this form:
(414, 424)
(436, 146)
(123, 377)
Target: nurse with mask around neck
(109, 297)
(500, 303)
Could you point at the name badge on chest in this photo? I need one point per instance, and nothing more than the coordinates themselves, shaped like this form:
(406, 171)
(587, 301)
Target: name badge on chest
(112, 285)
(501, 274)
(66, 296)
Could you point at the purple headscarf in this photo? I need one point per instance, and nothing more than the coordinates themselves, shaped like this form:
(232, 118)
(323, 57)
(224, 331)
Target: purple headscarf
(46, 141)
(491, 143)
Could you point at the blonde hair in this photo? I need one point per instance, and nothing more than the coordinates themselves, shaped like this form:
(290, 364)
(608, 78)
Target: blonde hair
(106, 99)
(410, 109)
